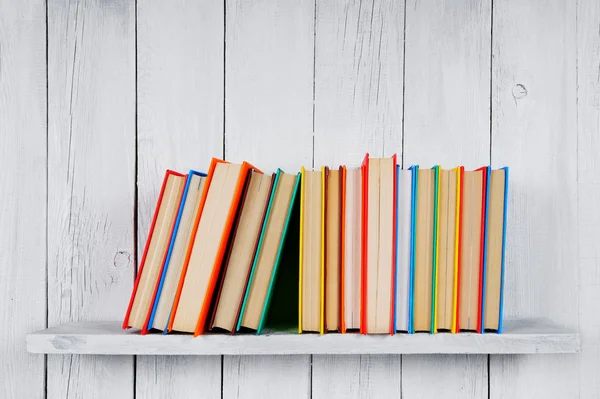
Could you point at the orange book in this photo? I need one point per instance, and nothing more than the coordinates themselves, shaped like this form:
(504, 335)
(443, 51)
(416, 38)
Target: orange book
(365, 203)
(207, 246)
(343, 250)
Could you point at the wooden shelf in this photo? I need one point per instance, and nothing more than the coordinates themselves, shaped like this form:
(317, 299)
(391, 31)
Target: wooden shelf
(522, 336)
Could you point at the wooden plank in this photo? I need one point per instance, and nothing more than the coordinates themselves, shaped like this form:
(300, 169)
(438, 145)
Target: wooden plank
(268, 121)
(180, 126)
(252, 377)
(447, 117)
(177, 376)
(91, 181)
(534, 120)
(588, 192)
(358, 109)
(520, 336)
(23, 193)
(362, 376)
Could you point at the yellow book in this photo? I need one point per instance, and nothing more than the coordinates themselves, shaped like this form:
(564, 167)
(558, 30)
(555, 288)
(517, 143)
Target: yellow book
(302, 183)
(436, 259)
(322, 295)
(457, 234)
(311, 287)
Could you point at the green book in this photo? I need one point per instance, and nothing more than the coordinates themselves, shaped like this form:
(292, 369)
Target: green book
(269, 255)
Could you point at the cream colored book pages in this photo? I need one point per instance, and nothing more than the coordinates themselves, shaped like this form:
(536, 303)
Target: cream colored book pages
(311, 257)
(470, 247)
(385, 261)
(494, 249)
(268, 252)
(373, 230)
(424, 251)
(357, 249)
(241, 257)
(332, 262)
(403, 239)
(446, 236)
(156, 251)
(306, 248)
(182, 241)
(206, 245)
(352, 255)
(348, 247)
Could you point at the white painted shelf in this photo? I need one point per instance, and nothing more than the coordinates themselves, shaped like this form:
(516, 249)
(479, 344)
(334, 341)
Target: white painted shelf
(107, 338)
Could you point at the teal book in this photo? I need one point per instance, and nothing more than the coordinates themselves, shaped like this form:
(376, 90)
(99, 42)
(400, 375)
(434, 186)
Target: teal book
(434, 276)
(269, 254)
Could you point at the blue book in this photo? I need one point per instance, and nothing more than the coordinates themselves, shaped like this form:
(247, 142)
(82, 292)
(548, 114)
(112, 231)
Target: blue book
(182, 230)
(486, 188)
(413, 243)
(494, 250)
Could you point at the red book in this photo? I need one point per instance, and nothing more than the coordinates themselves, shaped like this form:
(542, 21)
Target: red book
(459, 238)
(365, 207)
(155, 251)
(484, 202)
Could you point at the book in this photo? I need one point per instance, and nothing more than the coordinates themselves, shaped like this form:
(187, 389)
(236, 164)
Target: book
(182, 232)
(448, 211)
(351, 248)
(155, 252)
(424, 273)
(333, 248)
(206, 251)
(496, 243)
(413, 246)
(310, 315)
(244, 242)
(473, 202)
(379, 267)
(268, 254)
(404, 197)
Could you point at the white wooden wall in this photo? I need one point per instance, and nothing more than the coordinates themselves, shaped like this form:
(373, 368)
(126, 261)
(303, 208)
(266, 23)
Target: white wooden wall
(98, 97)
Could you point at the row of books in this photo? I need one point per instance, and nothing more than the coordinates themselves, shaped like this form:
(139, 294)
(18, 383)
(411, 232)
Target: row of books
(374, 249)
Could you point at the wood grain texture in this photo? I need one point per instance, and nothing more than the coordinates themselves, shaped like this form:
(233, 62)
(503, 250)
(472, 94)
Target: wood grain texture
(269, 83)
(258, 377)
(180, 126)
(22, 193)
(358, 376)
(588, 192)
(91, 153)
(521, 336)
(358, 109)
(533, 131)
(178, 377)
(446, 122)
(268, 122)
